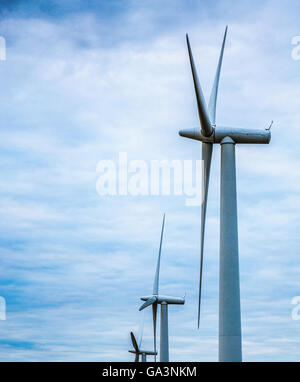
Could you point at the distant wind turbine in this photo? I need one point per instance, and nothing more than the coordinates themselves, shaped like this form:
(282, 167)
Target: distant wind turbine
(230, 344)
(137, 349)
(156, 299)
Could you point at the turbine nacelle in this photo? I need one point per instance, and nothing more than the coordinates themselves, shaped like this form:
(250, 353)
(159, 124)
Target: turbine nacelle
(140, 351)
(161, 298)
(238, 135)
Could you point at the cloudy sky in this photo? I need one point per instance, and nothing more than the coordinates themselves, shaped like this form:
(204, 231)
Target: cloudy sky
(85, 80)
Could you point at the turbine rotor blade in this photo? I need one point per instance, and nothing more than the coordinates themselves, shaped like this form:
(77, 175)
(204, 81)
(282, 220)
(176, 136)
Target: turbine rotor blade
(154, 316)
(140, 337)
(214, 92)
(156, 279)
(206, 128)
(150, 301)
(134, 343)
(206, 157)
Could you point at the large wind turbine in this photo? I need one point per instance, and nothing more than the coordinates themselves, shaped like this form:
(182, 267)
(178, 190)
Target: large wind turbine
(138, 351)
(230, 344)
(156, 299)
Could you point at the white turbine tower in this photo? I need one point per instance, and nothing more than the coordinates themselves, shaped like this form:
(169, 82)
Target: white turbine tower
(230, 343)
(164, 301)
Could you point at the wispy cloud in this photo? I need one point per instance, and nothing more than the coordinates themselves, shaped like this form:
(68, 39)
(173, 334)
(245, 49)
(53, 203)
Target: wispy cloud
(82, 82)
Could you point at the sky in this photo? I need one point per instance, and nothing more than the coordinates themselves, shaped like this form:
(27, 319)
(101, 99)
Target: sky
(86, 80)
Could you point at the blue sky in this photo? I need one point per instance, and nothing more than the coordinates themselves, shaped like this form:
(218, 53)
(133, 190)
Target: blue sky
(84, 80)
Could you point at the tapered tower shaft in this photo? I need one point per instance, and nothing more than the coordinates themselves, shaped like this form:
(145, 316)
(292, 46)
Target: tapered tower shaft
(164, 333)
(230, 344)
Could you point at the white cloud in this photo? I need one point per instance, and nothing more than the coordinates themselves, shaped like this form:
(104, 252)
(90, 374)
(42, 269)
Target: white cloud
(79, 89)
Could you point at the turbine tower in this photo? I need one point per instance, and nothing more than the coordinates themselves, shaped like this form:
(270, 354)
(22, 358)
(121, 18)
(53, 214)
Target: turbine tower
(138, 351)
(230, 343)
(164, 301)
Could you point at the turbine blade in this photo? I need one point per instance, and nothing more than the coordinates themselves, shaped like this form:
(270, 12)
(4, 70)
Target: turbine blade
(206, 157)
(156, 279)
(134, 343)
(206, 128)
(214, 91)
(154, 316)
(150, 301)
(140, 337)
(136, 357)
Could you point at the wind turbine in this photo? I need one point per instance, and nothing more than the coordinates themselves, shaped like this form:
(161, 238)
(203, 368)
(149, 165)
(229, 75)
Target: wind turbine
(138, 351)
(230, 344)
(164, 301)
